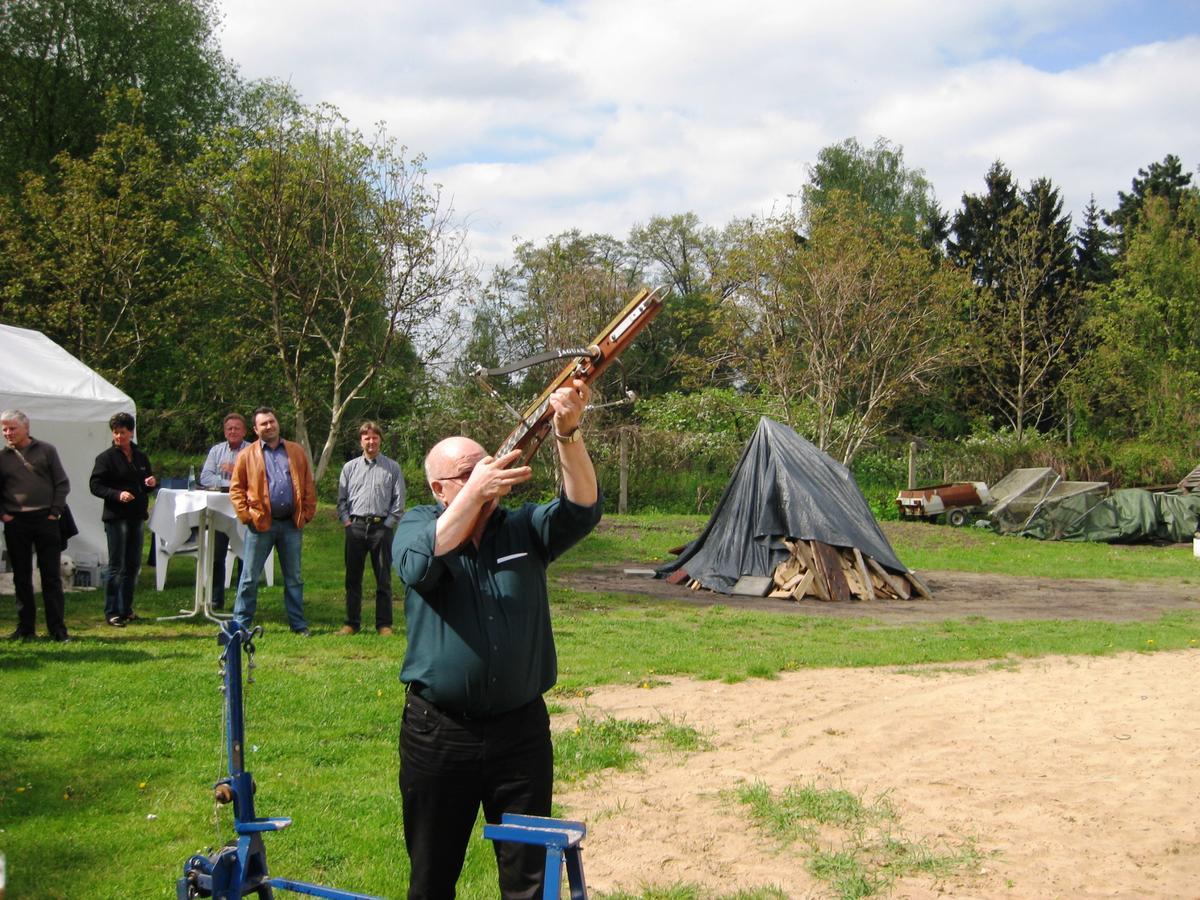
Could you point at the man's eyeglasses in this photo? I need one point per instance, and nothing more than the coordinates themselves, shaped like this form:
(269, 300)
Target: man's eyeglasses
(461, 476)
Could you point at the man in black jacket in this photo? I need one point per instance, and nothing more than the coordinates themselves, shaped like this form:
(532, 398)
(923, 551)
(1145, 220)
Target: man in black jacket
(33, 495)
(123, 479)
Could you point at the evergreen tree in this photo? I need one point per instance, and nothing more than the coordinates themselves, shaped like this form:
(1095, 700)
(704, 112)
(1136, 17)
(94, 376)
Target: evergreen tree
(1023, 319)
(1165, 179)
(977, 226)
(1093, 243)
(1054, 245)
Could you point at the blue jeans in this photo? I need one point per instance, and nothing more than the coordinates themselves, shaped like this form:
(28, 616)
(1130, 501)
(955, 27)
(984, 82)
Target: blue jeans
(286, 539)
(124, 563)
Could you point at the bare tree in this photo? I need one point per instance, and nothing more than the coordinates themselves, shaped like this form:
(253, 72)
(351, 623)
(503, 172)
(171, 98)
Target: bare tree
(840, 325)
(1021, 333)
(341, 251)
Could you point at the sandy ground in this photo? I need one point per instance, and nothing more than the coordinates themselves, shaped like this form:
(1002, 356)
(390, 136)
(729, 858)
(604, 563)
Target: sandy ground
(1074, 777)
(1071, 777)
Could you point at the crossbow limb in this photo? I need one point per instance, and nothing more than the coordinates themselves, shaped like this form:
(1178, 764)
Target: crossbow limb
(536, 421)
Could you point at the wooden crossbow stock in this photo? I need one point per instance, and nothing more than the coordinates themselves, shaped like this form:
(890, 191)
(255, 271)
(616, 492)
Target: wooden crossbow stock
(587, 365)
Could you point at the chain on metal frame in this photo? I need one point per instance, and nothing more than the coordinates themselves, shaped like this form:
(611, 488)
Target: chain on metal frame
(224, 729)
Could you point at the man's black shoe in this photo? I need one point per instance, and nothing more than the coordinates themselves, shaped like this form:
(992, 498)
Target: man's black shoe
(20, 635)
(116, 621)
(63, 638)
(301, 632)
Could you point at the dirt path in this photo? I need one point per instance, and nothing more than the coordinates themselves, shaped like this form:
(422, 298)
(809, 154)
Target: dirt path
(957, 595)
(1073, 777)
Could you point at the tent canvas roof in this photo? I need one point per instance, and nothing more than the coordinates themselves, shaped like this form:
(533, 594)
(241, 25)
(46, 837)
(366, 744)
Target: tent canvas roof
(68, 406)
(783, 486)
(45, 381)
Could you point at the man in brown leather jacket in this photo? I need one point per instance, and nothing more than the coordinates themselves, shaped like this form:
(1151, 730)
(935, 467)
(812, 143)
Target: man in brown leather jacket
(273, 493)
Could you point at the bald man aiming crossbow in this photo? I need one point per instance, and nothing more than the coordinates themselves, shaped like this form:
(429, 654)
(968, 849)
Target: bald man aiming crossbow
(481, 654)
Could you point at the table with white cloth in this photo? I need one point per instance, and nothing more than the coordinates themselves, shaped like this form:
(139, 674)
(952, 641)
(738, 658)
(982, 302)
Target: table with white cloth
(175, 514)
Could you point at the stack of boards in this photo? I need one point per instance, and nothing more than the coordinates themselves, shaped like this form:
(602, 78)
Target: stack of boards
(824, 572)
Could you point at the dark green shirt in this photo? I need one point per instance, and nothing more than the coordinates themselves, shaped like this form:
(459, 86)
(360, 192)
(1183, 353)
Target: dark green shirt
(478, 620)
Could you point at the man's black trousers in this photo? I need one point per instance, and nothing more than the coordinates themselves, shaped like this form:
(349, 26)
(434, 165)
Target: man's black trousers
(449, 766)
(25, 535)
(365, 539)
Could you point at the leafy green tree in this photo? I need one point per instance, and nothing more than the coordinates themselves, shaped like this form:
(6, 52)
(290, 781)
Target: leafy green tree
(1165, 179)
(94, 254)
(1143, 376)
(839, 326)
(685, 255)
(1053, 243)
(61, 59)
(555, 296)
(879, 177)
(340, 254)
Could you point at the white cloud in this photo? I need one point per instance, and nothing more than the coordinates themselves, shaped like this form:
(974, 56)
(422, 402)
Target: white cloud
(597, 114)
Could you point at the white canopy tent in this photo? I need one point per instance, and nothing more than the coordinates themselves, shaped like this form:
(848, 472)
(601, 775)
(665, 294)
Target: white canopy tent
(68, 406)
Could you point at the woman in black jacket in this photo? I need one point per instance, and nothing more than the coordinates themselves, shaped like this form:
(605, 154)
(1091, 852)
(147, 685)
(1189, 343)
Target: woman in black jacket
(123, 479)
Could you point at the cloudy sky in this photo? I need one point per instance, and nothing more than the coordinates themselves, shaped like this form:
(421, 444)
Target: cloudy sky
(537, 117)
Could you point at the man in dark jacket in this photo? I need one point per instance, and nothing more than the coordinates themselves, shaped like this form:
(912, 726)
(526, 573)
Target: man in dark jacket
(124, 480)
(33, 495)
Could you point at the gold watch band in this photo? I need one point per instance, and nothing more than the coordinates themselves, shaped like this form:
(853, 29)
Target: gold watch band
(573, 436)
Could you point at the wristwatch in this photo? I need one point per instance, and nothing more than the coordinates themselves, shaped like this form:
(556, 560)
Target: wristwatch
(571, 437)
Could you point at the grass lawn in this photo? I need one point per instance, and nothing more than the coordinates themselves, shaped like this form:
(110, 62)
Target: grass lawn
(111, 744)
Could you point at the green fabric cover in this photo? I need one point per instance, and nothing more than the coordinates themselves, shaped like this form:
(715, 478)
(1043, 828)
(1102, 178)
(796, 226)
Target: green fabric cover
(1126, 516)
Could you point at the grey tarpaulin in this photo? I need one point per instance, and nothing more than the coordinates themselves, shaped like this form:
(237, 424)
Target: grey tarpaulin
(783, 486)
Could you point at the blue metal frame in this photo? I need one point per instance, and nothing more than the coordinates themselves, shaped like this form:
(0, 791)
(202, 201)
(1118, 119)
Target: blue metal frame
(240, 868)
(561, 839)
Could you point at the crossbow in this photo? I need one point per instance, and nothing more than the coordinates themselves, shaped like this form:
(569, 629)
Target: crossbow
(587, 363)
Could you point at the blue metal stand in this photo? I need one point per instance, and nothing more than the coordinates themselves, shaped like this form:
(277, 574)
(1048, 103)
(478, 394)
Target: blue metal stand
(560, 838)
(240, 868)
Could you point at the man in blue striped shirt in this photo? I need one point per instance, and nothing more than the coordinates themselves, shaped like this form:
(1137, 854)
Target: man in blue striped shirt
(214, 476)
(370, 502)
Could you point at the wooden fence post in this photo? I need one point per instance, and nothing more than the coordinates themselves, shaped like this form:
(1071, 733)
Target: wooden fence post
(623, 493)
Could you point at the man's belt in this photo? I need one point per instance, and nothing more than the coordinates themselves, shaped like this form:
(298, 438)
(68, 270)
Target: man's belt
(417, 696)
(373, 520)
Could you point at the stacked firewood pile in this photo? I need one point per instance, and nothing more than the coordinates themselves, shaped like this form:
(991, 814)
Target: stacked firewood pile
(824, 572)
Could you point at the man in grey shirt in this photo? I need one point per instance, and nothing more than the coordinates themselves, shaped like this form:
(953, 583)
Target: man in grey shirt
(33, 494)
(370, 502)
(215, 476)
